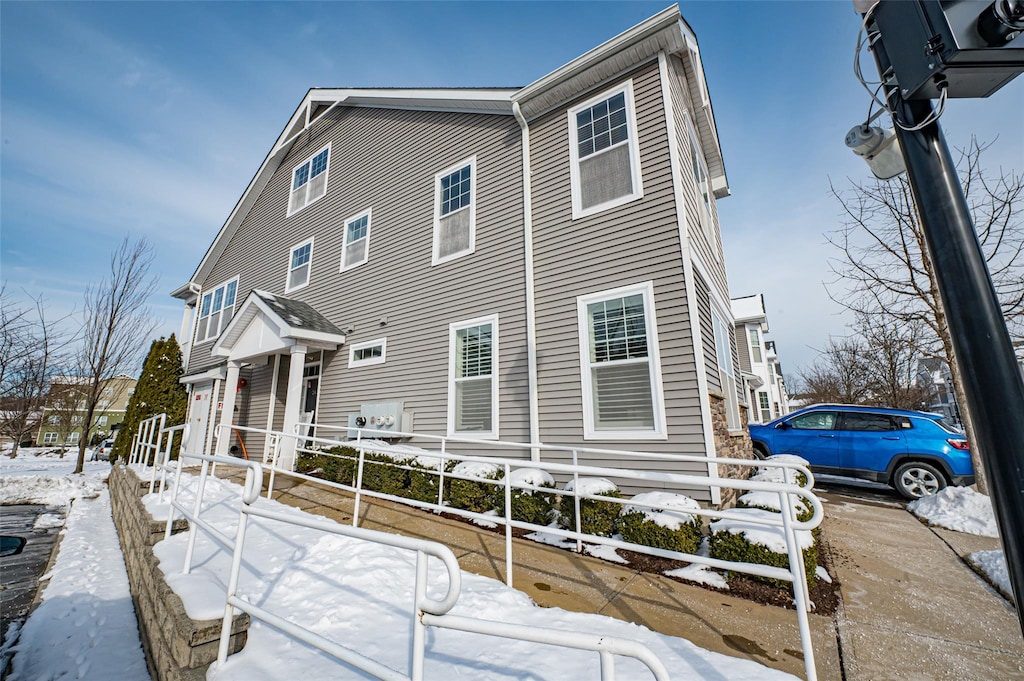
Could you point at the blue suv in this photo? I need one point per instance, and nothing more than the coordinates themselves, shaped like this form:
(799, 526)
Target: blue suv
(916, 453)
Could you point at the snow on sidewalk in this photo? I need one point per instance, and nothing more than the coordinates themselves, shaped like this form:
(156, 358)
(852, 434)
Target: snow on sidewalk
(85, 626)
(359, 593)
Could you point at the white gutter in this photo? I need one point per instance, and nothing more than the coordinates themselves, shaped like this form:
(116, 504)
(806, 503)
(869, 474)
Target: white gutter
(531, 313)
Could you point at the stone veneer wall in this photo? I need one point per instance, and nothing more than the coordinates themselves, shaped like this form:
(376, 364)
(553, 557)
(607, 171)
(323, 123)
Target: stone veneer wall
(177, 647)
(730, 444)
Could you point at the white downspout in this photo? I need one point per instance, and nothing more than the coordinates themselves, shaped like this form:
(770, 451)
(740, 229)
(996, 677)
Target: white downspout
(185, 342)
(531, 313)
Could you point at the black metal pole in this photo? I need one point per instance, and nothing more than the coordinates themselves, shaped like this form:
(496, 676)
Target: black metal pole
(992, 380)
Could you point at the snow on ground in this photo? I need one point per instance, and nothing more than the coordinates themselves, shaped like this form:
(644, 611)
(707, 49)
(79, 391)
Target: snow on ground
(957, 508)
(360, 593)
(85, 626)
(993, 564)
(701, 574)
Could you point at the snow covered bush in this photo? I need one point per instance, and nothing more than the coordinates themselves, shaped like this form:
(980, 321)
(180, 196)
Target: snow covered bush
(737, 539)
(769, 501)
(473, 494)
(663, 521)
(596, 517)
(528, 506)
(772, 474)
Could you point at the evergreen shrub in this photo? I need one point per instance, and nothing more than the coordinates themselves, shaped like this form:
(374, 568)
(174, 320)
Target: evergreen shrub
(597, 517)
(528, 506)
(473, 495)
(739, 546)
(662, 521)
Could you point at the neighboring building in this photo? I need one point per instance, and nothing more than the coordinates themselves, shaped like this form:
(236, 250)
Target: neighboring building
(764, 385)
(541, 264)
(933, 373)
(65, 410)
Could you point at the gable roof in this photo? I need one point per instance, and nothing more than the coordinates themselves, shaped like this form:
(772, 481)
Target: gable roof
(664, 32)
(295, 320)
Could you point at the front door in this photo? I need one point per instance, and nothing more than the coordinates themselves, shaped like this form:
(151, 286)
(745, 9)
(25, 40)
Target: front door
(311, 378)
(199, 417)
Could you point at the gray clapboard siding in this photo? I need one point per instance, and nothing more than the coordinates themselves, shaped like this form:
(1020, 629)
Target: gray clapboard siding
(628, 245)
(386, 160)
(707, 333)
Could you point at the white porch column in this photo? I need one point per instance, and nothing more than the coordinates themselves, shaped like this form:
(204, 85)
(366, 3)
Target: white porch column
(292, 405)
(227, 414)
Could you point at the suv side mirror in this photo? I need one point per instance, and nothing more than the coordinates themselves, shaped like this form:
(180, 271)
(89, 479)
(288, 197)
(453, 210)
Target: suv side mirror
(11, 546)
(783, 425)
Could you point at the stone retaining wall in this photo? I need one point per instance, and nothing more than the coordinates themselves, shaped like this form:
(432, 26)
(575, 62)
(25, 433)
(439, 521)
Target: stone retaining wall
(177, 647)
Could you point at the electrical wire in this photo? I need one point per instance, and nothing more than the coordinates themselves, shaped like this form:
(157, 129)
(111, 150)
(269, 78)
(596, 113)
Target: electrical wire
(864, 37)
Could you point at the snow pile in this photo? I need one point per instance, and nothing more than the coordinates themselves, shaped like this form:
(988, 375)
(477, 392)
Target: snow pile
(477, 470)
(701, 574)
(771, 501)
(592, 486)
(664, 508)
(56, 491)
(771, 537)
(85, 626)
(957, 508)
(361, 593)
(524, 478)
(993, 564)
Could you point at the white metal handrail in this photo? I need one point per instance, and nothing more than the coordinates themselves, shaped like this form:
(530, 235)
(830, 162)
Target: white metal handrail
(147, 440)
(786, 491)
(426, 611)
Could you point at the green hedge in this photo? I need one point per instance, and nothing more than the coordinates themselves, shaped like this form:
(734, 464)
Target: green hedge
(637, 527)
(597, 517)
(473, 495)
(726, 545)
(424, 480)
(337, 464)
(527, 506)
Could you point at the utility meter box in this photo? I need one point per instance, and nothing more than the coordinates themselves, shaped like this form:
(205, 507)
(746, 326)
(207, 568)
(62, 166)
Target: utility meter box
(384, 417)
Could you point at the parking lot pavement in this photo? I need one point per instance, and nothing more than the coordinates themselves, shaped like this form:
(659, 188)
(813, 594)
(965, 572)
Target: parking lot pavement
(911, 608)
(19, 575)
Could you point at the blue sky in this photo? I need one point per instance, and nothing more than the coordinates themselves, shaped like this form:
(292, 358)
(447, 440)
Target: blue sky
(151, 118)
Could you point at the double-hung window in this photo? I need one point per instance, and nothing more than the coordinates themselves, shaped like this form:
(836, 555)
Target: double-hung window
(604, 154)
(215, 310)
(49, 438)
(300, 261)
(355, 249)
(454, 212)
(702, 181)
(473, 378)
(309, 180)
(621, 375)
(723, 351)
(755, 346)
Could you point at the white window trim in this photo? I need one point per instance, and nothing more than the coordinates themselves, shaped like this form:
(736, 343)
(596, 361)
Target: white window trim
(728, 379)
(199, 313)
(634, 153)
(368, 214)
(435, 259)
(353, 362)
(291, 180)
(660, 430)
(50, 438)
(704, 209)
(288, 275)
(452, 328)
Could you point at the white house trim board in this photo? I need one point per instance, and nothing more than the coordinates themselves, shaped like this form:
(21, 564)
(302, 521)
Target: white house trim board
(632, 141)
(453, 328)
(696, 338)
(653, 358)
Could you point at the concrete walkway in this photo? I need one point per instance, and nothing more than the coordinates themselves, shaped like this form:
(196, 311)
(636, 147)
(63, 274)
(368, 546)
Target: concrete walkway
(911, 607)
(923, 616)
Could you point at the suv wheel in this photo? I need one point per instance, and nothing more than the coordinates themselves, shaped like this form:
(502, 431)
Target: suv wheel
(916, 479)
(760, 451)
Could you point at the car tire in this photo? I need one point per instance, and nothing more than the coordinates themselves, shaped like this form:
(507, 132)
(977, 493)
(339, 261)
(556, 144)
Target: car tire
(760, 451)
(916, 479)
